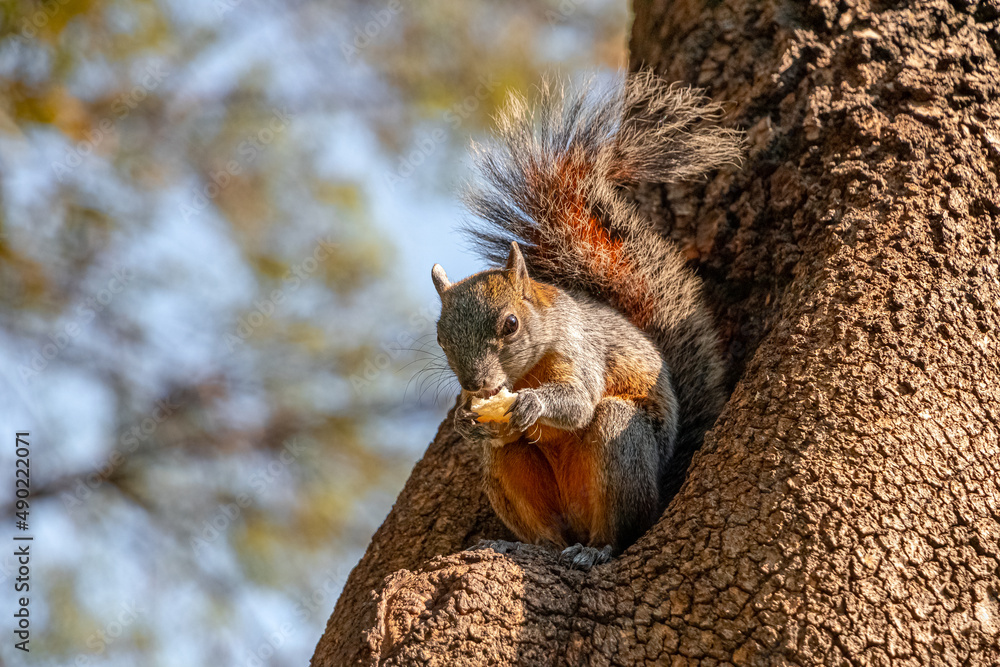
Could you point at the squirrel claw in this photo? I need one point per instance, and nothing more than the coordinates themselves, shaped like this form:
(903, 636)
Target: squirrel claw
(470, 429)
(584, 558)
(525, 410)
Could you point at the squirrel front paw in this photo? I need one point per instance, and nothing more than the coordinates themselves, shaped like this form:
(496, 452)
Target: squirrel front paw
(477, 432)
(525, 410)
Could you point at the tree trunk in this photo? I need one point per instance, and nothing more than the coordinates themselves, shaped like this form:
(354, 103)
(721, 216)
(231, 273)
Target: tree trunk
(845, 509)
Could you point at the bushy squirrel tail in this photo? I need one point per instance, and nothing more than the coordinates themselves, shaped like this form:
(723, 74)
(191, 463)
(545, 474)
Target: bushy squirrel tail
(552, 180)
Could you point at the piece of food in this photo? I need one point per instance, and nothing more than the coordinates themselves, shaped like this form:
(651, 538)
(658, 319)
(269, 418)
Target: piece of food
(492, 409)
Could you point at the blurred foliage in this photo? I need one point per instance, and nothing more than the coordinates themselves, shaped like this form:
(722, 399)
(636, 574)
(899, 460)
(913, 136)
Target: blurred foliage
(194, 284)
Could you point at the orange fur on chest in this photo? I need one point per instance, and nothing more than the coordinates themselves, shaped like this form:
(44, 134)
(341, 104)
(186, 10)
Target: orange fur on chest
(550, 368)
(557, 475)
(555, 480)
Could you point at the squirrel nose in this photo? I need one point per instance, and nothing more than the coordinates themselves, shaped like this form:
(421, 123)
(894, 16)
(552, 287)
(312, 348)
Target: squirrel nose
(485, 385)
(473, 386)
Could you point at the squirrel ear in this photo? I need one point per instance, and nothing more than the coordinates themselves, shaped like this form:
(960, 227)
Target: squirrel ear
(516, 265)
(441, 282)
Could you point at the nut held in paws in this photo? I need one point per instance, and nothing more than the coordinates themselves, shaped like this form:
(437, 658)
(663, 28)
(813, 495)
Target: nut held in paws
(492, 409)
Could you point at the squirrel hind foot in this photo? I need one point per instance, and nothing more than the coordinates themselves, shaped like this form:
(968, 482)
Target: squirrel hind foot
(584, 558)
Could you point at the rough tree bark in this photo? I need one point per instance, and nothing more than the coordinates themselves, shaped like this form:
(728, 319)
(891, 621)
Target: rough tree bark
(845, 510)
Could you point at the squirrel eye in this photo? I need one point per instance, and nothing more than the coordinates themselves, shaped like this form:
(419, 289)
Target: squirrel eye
(510, 325)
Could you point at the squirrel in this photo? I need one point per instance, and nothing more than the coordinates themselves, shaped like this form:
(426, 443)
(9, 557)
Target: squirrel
(595, 320)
